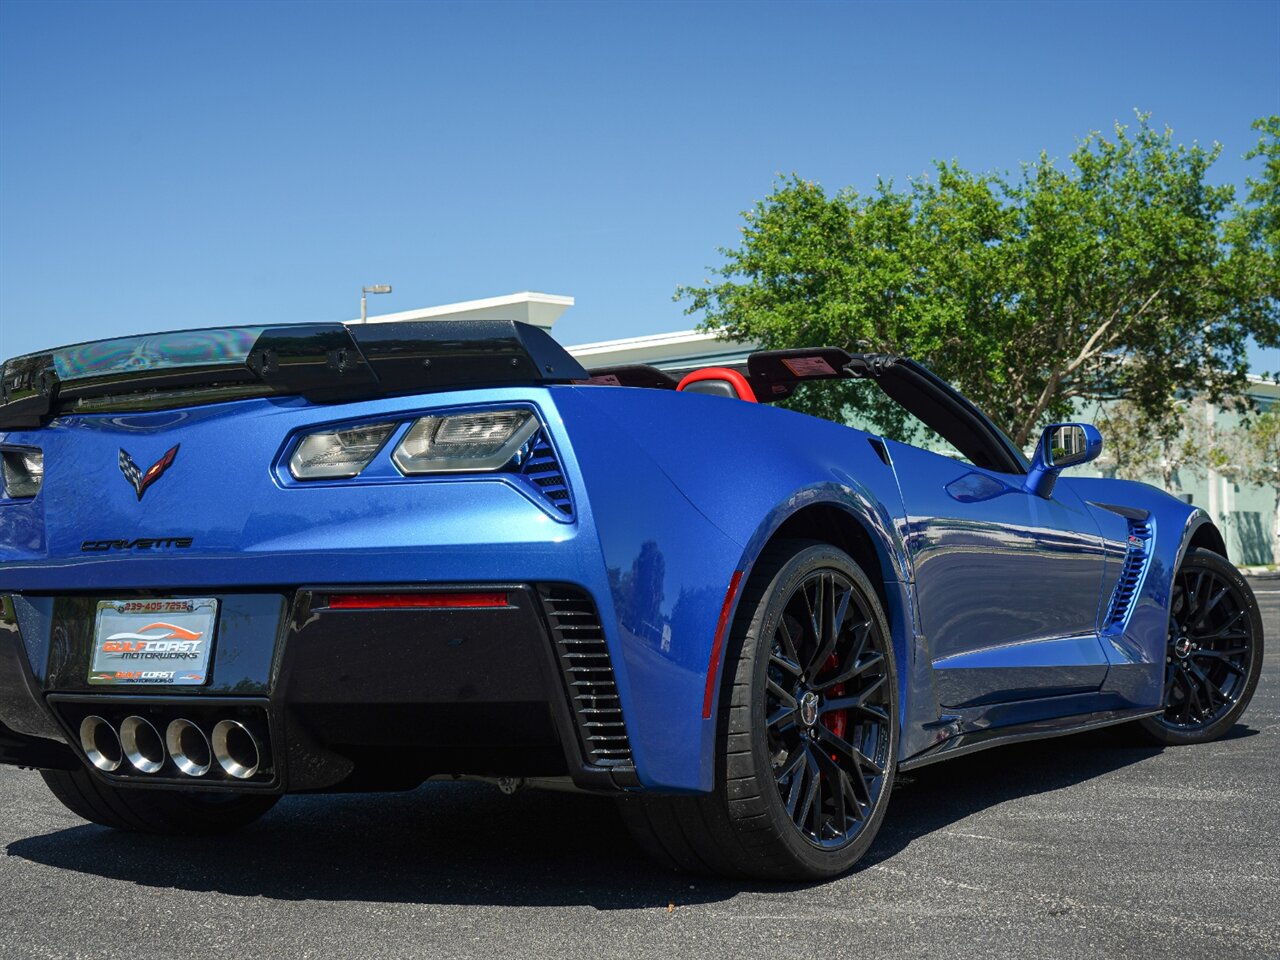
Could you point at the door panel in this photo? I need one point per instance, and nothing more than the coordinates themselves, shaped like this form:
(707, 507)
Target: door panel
(1008, 583)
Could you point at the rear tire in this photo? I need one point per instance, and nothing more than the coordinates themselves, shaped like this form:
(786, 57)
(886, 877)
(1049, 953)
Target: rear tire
(154, 811)
(1214, 654)
(807, 730)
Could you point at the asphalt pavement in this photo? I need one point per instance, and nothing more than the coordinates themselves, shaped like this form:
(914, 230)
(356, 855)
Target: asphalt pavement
(1088, 846)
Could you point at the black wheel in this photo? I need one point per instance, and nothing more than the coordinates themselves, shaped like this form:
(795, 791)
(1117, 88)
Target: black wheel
(154, 811)
(808, 729)
(1214, 654)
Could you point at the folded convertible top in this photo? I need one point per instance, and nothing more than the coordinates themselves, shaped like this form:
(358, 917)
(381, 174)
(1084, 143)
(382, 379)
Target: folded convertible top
(324, 362)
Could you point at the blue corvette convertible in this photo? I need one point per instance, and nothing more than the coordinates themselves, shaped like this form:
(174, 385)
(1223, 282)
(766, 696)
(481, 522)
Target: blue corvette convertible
(242, 562)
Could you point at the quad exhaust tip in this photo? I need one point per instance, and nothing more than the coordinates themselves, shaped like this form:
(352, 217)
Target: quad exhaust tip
(231, 745)
(142, 744)
(235, 749)
(101, 744)
(189, 748)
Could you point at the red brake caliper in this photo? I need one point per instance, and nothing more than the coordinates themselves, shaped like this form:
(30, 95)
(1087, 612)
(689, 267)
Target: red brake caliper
(837, 721)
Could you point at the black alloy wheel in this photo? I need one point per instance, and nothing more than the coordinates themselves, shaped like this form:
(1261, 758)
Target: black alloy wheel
(807, 729)
(1214, 651)
(827, 709)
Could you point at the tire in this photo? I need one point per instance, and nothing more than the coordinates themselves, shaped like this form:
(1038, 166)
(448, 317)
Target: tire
(175, 813)
(766, 748)
(1214, 655)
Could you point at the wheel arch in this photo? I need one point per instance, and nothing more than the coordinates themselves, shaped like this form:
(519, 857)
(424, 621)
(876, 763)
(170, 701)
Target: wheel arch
(834, 523)
(850, 520)
(1203, 533)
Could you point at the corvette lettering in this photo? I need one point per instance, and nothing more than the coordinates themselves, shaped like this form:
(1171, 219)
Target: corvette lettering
(141, 543)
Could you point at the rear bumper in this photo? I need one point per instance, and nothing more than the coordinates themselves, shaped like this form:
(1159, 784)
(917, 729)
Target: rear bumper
(343, 699)
(654, 564)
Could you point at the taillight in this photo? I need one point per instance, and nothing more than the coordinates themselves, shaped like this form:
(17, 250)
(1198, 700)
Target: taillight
(465, 442)
(332, 454)
(23, 473)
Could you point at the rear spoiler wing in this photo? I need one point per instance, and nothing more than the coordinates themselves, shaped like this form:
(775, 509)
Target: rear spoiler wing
(324, 362)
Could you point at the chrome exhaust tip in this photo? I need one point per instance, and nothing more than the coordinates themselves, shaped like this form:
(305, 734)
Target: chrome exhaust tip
(101, 744)
(235, 749)
(189, 747)
(142, 745)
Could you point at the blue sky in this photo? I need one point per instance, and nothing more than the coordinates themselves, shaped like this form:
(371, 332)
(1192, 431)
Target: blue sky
(183, 164)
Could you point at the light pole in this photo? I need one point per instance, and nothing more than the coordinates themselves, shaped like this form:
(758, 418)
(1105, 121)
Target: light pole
(364, 301)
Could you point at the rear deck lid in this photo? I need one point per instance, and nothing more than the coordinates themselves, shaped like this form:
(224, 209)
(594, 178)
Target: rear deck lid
(324, 362)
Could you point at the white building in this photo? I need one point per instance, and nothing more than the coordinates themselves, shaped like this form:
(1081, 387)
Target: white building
(539, 309)
(683, 350)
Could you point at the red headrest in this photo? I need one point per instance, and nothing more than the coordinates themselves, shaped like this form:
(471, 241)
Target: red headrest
(737, 384)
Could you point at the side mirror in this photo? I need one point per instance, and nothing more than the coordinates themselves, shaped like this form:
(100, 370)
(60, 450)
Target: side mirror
(1061, 445)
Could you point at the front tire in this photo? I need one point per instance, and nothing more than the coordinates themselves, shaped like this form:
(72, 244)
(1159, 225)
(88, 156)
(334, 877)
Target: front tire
(1214, 653)
(173, 813)
(807, 730)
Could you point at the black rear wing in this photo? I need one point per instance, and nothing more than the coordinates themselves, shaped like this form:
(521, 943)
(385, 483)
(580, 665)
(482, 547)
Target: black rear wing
(324, 362)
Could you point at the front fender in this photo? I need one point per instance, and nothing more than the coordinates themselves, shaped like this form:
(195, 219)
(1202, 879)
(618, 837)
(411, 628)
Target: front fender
(1136, 642)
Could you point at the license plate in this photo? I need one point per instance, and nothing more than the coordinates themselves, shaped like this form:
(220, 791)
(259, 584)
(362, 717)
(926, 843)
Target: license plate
(153, 642)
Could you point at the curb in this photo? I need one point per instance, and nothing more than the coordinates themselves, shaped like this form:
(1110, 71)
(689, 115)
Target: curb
(1260, 573)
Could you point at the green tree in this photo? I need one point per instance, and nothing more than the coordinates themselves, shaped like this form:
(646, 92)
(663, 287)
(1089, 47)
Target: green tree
(1178, 442)
(1125, 274)
(1253, 232)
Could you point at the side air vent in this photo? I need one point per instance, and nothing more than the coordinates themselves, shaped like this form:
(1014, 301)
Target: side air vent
(539, 466)
(1135, 565)
(588, 674)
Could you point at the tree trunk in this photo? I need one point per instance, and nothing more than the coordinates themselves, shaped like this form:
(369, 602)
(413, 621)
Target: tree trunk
(1021, 434)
